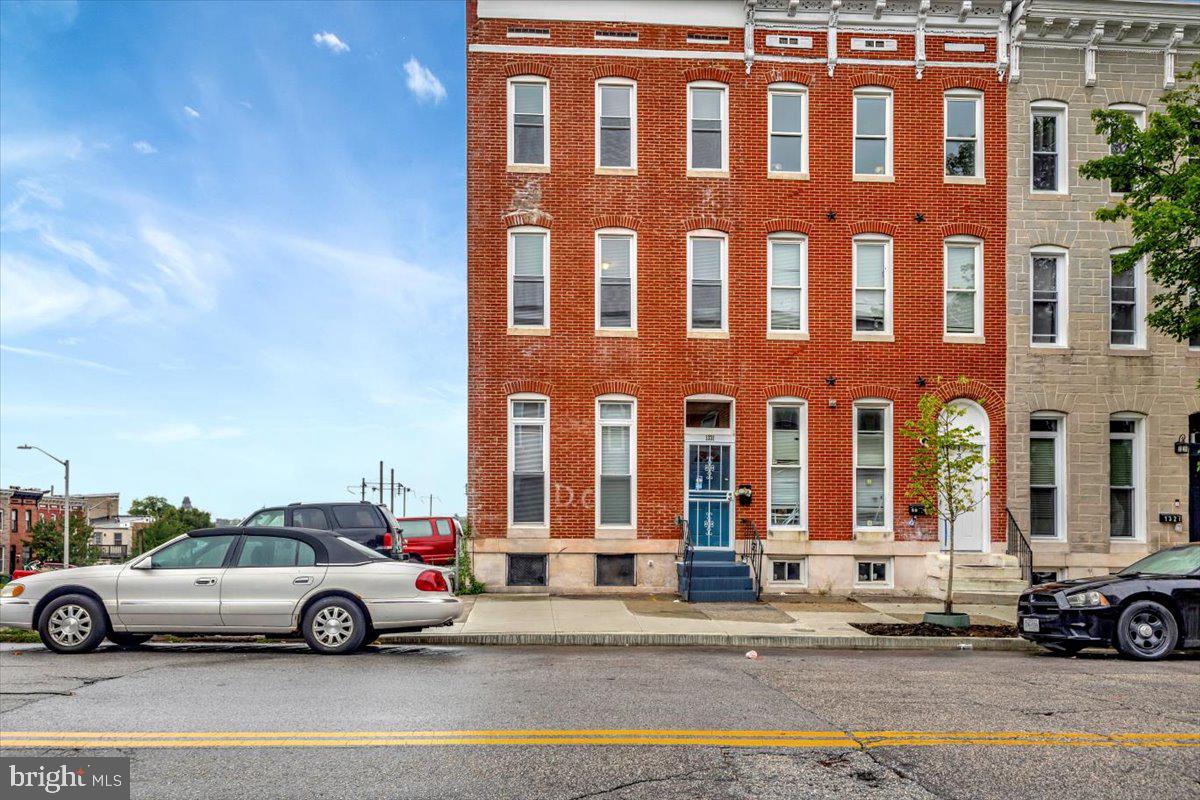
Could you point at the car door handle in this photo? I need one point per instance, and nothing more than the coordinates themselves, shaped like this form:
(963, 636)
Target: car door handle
(303, 579)
(205, 581)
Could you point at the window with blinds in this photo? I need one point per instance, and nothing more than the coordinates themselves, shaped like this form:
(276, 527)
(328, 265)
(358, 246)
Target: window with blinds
(614, 274)
(788, 268)
(615, 124)
(786, 449)
(962, 289)
(706, 294)
(871, 482)
(527, 437)
(706, 126)
(616, 456)
(527, 290)
(871, 300)
(528, 133)
(1122, 477)
(1045, 441)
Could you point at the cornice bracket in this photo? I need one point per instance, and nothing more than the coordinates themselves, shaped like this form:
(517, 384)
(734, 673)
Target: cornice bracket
(922, 18)
(1169, 57)
(1089, 54)
(835, 7)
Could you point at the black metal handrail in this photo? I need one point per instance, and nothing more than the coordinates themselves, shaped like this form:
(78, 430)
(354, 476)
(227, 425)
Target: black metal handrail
(1019, 546)
(687, 557)
(751, 552)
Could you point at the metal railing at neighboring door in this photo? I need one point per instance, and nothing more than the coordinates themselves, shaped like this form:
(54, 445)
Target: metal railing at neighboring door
(687, 557)
(1019, 546)
(750, 551)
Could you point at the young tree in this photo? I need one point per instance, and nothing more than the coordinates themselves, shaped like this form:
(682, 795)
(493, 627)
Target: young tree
(46, 539)
(1159, 169)
(948, 466)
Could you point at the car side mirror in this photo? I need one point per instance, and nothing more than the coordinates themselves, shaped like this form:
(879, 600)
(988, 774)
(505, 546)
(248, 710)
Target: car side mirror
(145, 563)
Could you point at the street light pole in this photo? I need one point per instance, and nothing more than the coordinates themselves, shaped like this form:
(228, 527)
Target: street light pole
(66, 463)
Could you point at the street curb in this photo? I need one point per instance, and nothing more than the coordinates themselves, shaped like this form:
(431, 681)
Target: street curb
(718, 640)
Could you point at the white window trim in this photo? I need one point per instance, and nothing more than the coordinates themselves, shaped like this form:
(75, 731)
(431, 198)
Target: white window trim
(886, 333)
(632, 86)
(1138, 112)
(632, 234)
(791, 89)
(1139, 475)
(873, 91)
(724, 168)
(632, 425)
(511, 120)
(888, 467)
(963, 241)
(1059, 109)
(1140, 299)
(802, 466)
(964, 94)
(790, 238)
(1062, 257)
(889, 569)
(799, 584)
(1060, 473)
(545, 326)
(724, 237)
(512, 422)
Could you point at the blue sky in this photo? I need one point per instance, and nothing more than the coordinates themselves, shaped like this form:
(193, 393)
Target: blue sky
(232, 251)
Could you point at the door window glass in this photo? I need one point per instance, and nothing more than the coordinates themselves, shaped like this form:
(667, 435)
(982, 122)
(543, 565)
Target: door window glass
(198, 552)
(444, 528)
(362, 516)
(271, 518)
(310, 518)
(275, 551)
(414, 528)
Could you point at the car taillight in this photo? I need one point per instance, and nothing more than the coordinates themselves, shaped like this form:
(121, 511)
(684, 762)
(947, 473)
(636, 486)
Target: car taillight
(431, 581)
(387, 541)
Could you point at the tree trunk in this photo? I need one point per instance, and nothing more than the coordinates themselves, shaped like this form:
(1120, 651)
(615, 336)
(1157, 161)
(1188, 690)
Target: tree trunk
(949, 604)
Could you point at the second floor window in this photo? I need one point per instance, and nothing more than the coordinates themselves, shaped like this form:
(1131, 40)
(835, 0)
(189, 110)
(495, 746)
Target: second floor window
(788, 123)
(872, 285)
(708, 113)
(615, 272)
(786, 255)
(964, 125)
(1138, 114)
(873, 132)
(1048, 124)
(528, 132)
(707, 273)
(528, 290)
(1049, 281)
(1127, 315)
(616, 124)
(964, 294)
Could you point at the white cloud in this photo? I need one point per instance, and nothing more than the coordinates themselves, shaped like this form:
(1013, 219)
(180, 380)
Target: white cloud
(144, 147)
(48, 356)
(190, 270)
(79, 250)
(191, 112)
(38, 151)
(176, 432)
(37, 296)
(423, 83)
(330, 42)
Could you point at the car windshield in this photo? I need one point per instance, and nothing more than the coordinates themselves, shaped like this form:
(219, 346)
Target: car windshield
(1176, 561)
(366, 551)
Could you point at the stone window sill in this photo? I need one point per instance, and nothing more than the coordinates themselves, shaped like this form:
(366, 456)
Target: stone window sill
(872, 337)
(617, 333)
(787, 176)
(788, 336)
(874, 178)
(708, 173)
(628, 171)
(962, 338)
(965, 180)
(529, 330)
(543, 169)
(708, 334)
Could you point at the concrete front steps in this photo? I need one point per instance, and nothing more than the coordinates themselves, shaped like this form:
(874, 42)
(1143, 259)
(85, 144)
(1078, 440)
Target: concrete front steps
(978, 577)
(717, 578)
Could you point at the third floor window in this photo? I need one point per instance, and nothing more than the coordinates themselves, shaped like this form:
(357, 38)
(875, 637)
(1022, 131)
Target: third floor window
(616, 124)
(708, 129)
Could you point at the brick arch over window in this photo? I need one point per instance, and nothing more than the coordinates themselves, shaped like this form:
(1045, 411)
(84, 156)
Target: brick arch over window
(616, 70)
(707, 74)
(874, 79)
(710, 387)
(705, 222)
(980, 392)
(616, 386)
(616, 221)
(527, 67)
(539, 218)
(528, 386)
(788, 225)
(867, 391)
(965, 82)
(886, 228)
(787, 390)
(792, 76)
(965, 229)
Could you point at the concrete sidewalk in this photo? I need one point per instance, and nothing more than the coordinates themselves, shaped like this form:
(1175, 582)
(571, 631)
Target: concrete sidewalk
(779, 621)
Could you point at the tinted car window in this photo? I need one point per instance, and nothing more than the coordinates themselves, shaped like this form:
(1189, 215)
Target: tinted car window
(443, 527)
(200, 552)
(271, 518)
(310, 518)
(275, 551)
(366, 552)
(414, 528)
(357, 517)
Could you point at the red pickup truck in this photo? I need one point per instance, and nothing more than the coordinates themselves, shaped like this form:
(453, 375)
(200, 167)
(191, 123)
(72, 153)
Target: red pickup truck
(430, 540)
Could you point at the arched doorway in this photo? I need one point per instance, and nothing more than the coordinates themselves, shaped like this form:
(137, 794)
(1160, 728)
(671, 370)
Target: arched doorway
(971, 529)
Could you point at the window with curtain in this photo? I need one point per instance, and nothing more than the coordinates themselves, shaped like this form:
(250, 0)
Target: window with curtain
(616, 103)
(1122, 474)
(707, 283)
(707, 127)
(1045, 437)
(872, 132)
(787, 130)
(787, 256)
(527, 432)
(786, 501)
(871, 483)
(963, 116)
(528, 290)
(528, 123)
(616, 463)
(871, 287)
(615, 276)
(962, 288)
(1047, 279)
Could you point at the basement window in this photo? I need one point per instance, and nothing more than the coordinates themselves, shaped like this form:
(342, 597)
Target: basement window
(794, 571)
(526, 570)
(707, 38)
(615, 570)
(874, 572)
(1041, 576)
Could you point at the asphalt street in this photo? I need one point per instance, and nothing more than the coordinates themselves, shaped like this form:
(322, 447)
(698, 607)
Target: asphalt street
(274, 721)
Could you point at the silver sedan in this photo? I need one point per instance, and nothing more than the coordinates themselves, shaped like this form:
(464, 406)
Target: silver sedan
(336, 593)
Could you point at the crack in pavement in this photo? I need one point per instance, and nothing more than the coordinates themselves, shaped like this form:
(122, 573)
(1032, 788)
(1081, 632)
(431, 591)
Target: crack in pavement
(639, 782)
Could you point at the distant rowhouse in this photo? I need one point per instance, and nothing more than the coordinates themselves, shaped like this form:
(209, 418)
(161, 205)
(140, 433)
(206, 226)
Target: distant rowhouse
(22, 508)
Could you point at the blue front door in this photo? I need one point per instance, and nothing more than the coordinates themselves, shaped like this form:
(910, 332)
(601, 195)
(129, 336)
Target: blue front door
(710, 473)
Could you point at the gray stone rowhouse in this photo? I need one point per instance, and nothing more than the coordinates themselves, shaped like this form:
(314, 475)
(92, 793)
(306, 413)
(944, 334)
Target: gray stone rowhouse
(1069, 57)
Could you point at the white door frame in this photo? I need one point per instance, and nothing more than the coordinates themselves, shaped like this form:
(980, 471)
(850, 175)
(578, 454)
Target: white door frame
(713, 436)
(985, 508)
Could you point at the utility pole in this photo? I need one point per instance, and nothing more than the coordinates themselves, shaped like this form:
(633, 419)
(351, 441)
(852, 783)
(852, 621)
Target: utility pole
(381, 483)
(362, 493)
(404, 490)
(392, 484)
(431, 497)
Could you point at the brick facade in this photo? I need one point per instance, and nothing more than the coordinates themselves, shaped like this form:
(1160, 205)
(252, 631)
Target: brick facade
(662, 365)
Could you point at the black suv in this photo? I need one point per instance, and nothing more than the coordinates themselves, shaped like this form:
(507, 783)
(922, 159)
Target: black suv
(366, 523)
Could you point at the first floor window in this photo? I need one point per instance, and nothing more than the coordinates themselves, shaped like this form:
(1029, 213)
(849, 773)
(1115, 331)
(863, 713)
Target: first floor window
(1045, 479)
(872, 571)
(872, 482)
(1126, 324)
(1124, 468)
(964, 122)
(614, 276)
(616, 445)
(963, 291)
(1049, 279)
(786, 457)
(528, 135)
(528, 257)
(528, 459)
(872, 284)
(789, 268)
(707, 272)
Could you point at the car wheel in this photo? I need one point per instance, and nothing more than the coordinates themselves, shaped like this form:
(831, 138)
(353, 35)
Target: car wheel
(1146, 631)
(334, 626)
(73, 623)
(1063, 648)
(128, 641)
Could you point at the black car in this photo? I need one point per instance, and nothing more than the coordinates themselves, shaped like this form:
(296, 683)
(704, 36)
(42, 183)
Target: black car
(366, 523)
(1146, 610)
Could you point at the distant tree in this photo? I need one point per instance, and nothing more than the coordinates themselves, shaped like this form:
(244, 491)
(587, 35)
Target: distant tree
(46, 538)
(1159, 170)
(168, 523)
(149, 506)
